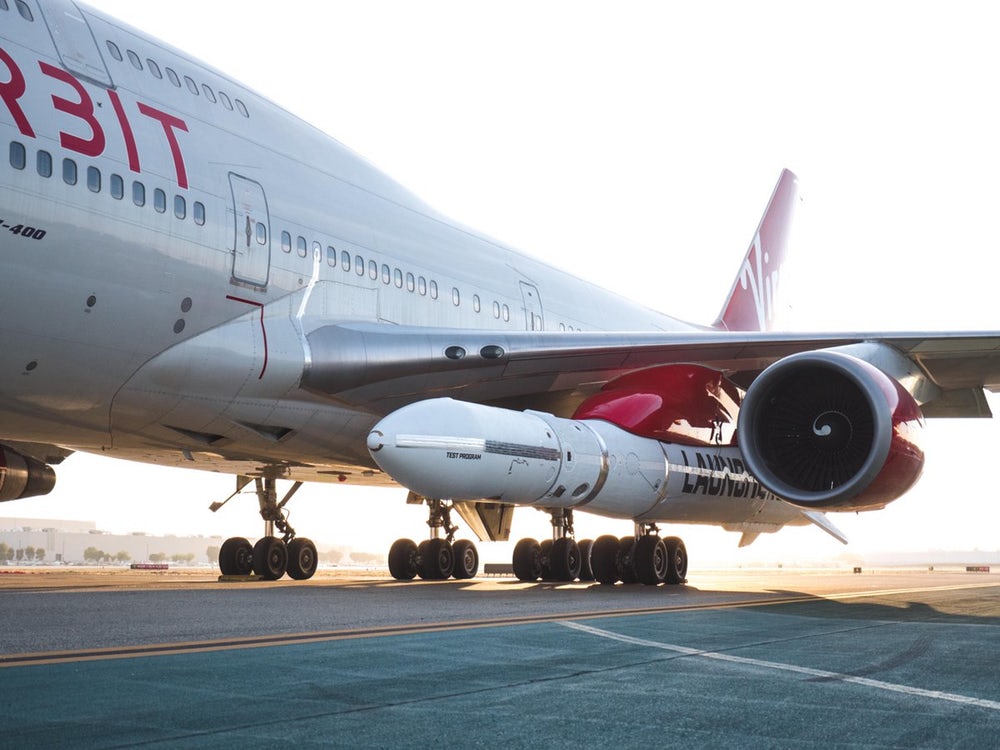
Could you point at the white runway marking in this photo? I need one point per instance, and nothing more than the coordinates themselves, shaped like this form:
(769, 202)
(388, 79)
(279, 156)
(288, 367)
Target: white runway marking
(761, 664)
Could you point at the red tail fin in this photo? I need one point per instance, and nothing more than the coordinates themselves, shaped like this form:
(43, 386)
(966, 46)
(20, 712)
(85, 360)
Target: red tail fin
(751, 302)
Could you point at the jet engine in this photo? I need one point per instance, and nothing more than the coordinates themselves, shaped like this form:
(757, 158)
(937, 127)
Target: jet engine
(22, 476)
(827, 431)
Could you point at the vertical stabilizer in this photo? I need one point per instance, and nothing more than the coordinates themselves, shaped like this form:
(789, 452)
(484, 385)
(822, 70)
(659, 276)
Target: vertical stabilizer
(750, 305)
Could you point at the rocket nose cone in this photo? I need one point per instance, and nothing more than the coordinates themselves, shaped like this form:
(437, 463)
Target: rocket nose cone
(375, 441)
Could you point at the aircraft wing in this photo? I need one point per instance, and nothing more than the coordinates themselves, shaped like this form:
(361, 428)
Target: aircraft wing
(382, 367)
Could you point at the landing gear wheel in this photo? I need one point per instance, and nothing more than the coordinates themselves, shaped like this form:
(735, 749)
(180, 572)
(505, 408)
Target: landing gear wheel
(626, 561)
(604, 559)
(403, 560)
(650, 560)
(236, 557)
(302, 559)
(527, 560)
(677, 560)
(270, 558)
(564, 559)
(436, 559)
(586, 572)
(466, 559)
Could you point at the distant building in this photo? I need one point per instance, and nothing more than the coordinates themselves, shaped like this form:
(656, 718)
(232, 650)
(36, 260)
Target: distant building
(65, 541)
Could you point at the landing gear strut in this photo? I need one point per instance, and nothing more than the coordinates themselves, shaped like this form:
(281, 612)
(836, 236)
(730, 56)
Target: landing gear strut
(439, 557)
(561, 558)
(271, 557)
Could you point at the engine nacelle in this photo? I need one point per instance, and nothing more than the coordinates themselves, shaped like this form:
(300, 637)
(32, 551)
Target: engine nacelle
(21, 476)
(827, 431)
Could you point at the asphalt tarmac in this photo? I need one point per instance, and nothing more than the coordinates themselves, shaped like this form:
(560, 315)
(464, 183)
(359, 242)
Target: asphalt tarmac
(779, 659)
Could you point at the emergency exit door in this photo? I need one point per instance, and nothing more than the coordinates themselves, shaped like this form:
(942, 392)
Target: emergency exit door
(251, 238)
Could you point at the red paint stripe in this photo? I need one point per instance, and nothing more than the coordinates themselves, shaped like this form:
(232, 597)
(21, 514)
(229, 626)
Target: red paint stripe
(263, 330)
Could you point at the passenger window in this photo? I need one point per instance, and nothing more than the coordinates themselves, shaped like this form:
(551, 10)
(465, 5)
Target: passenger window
(44, 163)
(117, 187)
(134, 59)
(199, 213)
(138, 193)
(386, 274)
(345, 260)
(69, 171)
(456, 298)
(300, 246)
(180, 211)
(475, 303)
(94, 179)
(115, 52)
(506, 313)
(242, 108)
(373, 270)
(434, 289)
(422, 286)
(18, 156)
(226, 101)
(159, 201)
(331, 256)
(173, 77)
(192, 86)
(359, 265)
(24, 10)
(410, 282)
(207, 91)
(154, 68)
(397, 277)
(317, 250)
(496, 310)
(286, 242)
(3, 5)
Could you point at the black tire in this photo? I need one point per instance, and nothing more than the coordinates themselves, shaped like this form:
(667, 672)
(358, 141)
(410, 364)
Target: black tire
(604, 559)
(527, 560)
(403, 560)
(270, 558)
(435, 559)
(302, 559)
(626, 559)
(564, 559)
(586, 572)
(677, 560)
(236, 557)
(650, 560)
(466, 559)
(545, 558)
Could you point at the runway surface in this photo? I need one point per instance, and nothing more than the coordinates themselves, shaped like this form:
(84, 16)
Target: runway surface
(779, 659)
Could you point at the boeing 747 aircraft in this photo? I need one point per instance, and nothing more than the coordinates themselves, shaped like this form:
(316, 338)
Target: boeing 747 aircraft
(193, 277)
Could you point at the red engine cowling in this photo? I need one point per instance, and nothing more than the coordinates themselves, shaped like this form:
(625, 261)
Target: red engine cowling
(827, 431)
(21, 476)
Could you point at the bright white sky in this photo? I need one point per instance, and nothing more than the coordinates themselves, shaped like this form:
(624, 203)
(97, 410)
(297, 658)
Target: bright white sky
(636, 144)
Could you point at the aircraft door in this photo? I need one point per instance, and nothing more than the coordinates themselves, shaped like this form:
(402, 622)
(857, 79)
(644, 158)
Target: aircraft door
(75, 43)
(533, 320)
(251, 238)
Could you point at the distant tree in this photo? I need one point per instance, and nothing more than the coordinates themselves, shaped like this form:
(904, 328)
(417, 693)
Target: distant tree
(92, 554)
(29, 553)
(4, 548)
(158, 557)
(123, 557)
(20, 554)
(366, 558)
(39, 553)
(183, 557)
(334, 556)
(212, 553)
(10, 554)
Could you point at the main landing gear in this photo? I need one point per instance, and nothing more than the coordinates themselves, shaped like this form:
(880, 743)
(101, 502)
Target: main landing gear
(437, 558)
(560, 558)
(644, 558)
(271, 557)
